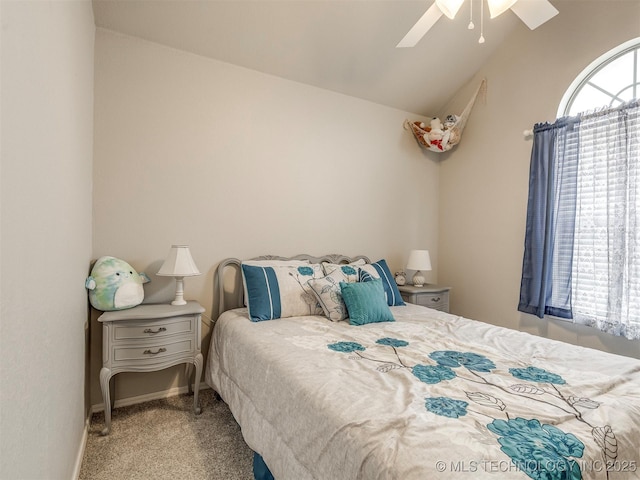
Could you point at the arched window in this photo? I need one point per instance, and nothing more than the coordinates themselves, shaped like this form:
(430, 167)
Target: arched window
(612, 79)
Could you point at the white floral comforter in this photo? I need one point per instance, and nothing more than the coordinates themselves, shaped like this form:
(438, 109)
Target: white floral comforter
(426, 397)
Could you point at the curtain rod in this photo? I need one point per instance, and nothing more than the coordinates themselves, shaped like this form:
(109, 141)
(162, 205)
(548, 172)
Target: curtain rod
(592, 114)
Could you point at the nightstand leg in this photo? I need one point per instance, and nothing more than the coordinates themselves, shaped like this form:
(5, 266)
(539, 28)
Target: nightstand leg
(105, 375)
(187, 372)
(196, 383)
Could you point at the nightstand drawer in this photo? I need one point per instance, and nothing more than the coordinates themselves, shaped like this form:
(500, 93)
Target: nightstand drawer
(154, 329)
(439, 301)
(432, 296)
(152, 351)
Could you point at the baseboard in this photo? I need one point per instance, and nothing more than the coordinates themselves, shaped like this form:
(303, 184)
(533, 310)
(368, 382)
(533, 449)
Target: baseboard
(83, 444)
(125, 402)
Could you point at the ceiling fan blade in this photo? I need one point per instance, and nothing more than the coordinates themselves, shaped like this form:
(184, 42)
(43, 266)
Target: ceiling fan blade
(421, 27)
(534, 12)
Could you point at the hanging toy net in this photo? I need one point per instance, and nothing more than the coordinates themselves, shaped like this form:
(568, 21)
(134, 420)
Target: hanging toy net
(441, 136)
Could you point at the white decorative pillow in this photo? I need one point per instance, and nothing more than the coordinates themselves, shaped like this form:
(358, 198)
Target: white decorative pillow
(327, 291)
(350, 270)
(268, 263)
(281, 291)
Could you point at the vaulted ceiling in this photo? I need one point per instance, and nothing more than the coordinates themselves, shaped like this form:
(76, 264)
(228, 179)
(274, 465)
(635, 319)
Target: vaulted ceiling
(346, 46)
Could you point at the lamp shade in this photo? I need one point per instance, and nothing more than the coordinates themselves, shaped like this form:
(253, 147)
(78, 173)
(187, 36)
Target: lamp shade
(419, 260)
(179, 263)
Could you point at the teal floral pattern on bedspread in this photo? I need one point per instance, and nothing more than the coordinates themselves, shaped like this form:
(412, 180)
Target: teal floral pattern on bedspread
(533, 446)
(540, 450)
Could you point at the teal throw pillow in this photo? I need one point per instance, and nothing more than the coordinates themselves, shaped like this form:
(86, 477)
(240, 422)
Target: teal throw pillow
(366, 302)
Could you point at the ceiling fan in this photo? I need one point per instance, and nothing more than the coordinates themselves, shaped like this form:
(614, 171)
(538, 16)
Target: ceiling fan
(532, 12)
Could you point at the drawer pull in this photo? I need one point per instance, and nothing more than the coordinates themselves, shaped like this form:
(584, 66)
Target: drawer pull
(161, 329)
(150, 352)
(435, 299)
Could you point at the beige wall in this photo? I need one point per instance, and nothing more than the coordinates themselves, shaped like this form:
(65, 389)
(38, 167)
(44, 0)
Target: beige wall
(237, 163)
(484, 183)
(47, 132)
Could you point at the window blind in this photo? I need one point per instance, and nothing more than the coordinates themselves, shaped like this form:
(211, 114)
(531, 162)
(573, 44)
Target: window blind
(605, 276)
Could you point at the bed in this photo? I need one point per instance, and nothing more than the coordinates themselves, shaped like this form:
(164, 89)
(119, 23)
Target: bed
(429, 395)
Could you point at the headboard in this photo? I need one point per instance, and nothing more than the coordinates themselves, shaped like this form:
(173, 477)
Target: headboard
(235, 297)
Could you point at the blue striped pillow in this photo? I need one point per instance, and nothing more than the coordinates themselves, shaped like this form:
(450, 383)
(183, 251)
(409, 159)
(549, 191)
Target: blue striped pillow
(380, 270)
(279, 292)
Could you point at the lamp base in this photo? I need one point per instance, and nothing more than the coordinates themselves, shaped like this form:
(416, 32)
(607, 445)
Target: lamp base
(179, 300)
(418, 279)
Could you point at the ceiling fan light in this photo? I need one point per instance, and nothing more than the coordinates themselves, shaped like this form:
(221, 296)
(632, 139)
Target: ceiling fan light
(498, 7)
(450, 7)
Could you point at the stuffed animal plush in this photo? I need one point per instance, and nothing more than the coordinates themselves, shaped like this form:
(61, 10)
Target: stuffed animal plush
(115, 285)
(452, 131)
(450, 121)
(436, 131)
(435, 135)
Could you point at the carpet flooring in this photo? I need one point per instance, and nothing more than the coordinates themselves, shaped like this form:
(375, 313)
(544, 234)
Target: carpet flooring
(163, 439)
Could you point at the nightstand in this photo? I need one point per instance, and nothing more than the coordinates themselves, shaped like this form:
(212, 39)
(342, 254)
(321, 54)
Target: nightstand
(432, 296)
(147, 338)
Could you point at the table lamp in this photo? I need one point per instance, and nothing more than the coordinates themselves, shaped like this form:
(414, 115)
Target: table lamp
(419, 261)
(179, 264)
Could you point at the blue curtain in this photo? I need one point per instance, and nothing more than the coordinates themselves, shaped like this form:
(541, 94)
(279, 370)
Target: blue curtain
(547, 263)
